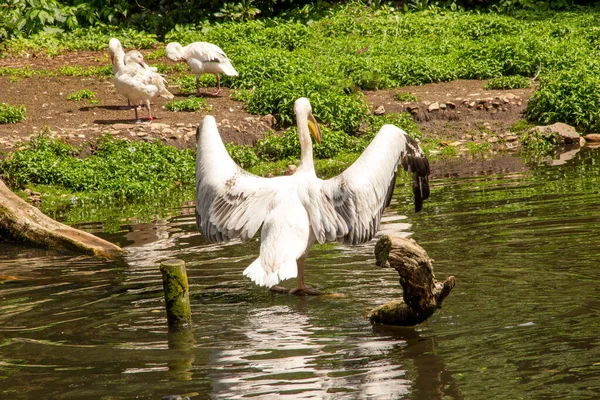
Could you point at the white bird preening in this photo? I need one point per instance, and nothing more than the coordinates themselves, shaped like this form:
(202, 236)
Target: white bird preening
(116, 55)
(203, 58)
(118, 58)
(140, 84)
(295, 211)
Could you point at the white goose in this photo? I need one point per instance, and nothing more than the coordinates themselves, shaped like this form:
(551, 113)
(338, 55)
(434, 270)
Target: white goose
(203, 58)
(140, 84)
(296, 210)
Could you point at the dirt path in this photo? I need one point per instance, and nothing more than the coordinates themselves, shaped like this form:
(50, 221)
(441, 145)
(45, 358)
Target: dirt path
(453, 112)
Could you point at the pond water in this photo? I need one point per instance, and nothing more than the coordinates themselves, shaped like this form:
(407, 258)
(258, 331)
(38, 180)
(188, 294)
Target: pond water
(522, 322)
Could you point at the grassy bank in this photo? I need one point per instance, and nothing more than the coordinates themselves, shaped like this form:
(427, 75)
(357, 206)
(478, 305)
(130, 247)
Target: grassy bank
(329, 58)
(355, 47)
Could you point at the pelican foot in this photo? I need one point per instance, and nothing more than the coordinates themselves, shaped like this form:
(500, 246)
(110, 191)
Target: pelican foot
(279, 289)
(306, 291)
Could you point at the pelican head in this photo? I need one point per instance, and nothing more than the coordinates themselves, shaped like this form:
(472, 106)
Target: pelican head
(114, 48)
(303, 109)
(174, 52)
(134, 56)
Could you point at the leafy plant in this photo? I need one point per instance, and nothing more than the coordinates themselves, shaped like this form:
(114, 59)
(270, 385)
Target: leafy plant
(568, 96)
(405, 96)
(244, 156)
(11, 114)
(191, 104)
(117, 171)
(83, 94)
(242, 11)
(508, 82)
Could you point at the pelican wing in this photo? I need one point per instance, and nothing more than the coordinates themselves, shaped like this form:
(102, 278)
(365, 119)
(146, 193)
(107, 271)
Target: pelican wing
(230, 202)
(351, 204)
(205, 52)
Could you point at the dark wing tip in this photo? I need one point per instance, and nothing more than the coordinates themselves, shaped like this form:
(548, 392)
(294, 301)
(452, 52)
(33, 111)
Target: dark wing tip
(416, 162)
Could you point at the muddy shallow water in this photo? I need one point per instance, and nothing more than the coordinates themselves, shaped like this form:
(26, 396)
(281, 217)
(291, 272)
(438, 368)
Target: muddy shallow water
(522, 322)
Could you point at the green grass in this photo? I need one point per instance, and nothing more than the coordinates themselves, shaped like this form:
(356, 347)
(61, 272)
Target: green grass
(191, 104)
(11, 114)
(404, 96)
(118, 171)
(354, 47)
(83, 94)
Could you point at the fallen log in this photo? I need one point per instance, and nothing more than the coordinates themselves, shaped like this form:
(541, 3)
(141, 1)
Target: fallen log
(422, 294)
(23, 223)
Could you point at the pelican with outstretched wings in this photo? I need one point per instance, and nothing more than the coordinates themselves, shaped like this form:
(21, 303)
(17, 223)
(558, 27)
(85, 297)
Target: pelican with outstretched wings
(295, 211)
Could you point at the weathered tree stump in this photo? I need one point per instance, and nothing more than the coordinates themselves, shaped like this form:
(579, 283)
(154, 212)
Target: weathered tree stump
(21, 222)
(422, 294)
(177, 293)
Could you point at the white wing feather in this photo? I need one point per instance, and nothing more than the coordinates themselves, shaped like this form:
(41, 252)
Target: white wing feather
(205, 52)
(351, 204)
(231, 203)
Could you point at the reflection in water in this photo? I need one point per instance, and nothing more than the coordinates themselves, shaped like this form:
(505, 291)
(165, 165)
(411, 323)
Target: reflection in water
(521, 322)
(181, 344)
(284, 354)
(432, 379)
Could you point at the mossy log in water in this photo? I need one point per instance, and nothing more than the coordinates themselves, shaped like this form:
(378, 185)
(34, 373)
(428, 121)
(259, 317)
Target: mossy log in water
(422, 294)
(177, 293)
(23, 223)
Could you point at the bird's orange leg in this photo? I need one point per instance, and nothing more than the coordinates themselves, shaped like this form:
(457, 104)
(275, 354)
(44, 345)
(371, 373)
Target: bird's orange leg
(149, 111)
(218, 85)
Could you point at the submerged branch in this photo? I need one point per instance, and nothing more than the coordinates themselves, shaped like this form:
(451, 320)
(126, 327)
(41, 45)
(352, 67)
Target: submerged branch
(422, 294)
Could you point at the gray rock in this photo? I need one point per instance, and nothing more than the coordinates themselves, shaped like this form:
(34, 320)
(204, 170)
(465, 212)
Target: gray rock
(592, 137)
(563, 133)
(379, 110)
(269, 119)
(434, 107)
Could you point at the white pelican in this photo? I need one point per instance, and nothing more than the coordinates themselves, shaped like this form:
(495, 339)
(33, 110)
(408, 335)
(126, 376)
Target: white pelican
(140, 84)
(296, 210)
(203, 58)
(116, 54)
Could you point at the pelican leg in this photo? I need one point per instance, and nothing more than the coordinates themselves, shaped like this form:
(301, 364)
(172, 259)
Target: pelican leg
(137, 119)
(301, 289)
(149, 111)
(197, 84)
(218, 85)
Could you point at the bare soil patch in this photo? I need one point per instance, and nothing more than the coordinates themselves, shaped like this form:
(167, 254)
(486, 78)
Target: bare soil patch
(453, 112)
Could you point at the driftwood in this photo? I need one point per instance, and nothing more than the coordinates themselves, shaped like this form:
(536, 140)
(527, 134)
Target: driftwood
(422, 294)
(23, 223)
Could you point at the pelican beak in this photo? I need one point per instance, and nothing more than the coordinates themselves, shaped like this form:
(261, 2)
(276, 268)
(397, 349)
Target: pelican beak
(313, 127)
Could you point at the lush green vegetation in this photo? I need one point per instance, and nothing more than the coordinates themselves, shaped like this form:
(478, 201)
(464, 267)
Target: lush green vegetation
(25, 17)
(508, 82)
(191, 104)
(11, 114)
(83, 94)
(330, 54)
(118, 171)
(404, 96)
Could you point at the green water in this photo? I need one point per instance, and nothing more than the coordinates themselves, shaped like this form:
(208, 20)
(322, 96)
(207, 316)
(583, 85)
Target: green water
(523, 321)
